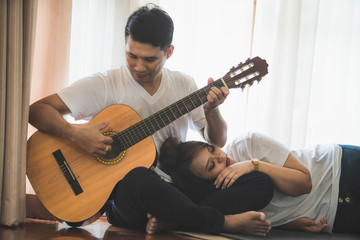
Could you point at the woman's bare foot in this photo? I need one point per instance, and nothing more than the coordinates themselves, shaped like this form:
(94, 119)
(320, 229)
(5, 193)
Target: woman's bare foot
(155, 225)
(252, 222)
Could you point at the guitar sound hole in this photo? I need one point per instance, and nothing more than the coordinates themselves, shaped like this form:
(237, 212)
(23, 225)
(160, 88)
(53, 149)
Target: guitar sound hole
(116, 154)
(113, 153)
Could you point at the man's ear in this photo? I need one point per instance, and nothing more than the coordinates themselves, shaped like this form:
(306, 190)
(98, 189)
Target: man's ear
(170, 51)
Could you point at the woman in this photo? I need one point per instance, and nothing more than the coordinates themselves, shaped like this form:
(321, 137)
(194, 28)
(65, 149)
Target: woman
(316, 189)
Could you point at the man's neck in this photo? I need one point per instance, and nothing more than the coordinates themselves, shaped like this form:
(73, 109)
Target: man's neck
(152, 87)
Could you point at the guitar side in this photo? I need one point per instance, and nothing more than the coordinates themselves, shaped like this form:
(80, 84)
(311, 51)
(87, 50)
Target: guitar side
(95, 179)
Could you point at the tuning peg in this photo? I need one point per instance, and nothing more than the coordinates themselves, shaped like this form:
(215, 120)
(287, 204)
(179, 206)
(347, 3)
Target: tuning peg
(232, 69)
(242, 87)
(250, 83)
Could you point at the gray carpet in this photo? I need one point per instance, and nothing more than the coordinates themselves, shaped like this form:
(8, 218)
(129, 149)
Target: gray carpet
(283, 234)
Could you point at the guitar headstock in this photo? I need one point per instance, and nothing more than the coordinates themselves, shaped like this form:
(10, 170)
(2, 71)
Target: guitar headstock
(246, 73)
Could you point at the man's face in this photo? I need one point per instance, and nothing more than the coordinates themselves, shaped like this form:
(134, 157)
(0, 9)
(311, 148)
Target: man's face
(145, 61)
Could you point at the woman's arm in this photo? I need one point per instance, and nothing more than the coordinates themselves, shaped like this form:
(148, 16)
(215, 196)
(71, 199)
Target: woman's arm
(293, 178)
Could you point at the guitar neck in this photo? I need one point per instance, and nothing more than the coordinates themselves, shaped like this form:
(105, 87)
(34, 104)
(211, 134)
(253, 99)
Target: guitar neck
(158, 120)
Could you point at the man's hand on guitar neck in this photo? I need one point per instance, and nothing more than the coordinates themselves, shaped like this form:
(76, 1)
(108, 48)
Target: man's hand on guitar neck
(91, 139)
(215, 97)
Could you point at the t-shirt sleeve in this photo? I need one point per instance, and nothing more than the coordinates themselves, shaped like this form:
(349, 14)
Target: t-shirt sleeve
(85, 98)
(258, 145)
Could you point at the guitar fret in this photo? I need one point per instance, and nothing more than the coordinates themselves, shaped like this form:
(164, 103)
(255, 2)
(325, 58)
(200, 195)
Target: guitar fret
(196, 93)
(131, 136)
(205, 91)
(157, 123)
(147, 127)
(185, 106)
(121, 141)
(135, 134)
(162, 120)
(172, 112)
(178, 109)
(167, 116)
(192, 102)
(141, 127)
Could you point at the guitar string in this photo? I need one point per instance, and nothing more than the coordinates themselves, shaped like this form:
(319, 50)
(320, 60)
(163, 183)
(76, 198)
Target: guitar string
(140, 133)
(165, 112)
(161, 117)
(127, 134)
(135, 129)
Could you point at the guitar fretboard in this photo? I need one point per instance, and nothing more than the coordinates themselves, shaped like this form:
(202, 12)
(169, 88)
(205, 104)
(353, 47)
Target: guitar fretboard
(158, 120)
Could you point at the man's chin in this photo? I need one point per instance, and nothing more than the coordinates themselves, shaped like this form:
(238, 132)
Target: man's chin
(139, 77)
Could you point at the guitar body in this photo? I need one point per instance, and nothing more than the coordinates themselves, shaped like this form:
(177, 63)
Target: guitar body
(95, 178)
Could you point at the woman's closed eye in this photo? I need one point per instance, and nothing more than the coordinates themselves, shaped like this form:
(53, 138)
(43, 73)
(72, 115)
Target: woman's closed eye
(212, 165)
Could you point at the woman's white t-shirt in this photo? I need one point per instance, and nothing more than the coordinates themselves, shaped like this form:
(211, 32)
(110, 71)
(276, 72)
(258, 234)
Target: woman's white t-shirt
(324, 164)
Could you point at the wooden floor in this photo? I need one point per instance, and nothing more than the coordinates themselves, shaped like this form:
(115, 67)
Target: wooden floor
(101, 229)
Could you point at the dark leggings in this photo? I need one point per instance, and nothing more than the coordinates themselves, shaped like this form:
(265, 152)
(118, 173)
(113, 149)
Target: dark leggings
(348, 210)
(142, 191)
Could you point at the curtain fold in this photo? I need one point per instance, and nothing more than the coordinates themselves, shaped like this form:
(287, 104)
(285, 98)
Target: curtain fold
(50, 70)
(16, 42)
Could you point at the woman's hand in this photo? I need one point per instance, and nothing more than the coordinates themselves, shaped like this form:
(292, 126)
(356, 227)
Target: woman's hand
(230, 174)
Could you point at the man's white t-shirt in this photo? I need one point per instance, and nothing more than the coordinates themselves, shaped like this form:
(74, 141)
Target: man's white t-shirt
(87, 97)
(324, 164)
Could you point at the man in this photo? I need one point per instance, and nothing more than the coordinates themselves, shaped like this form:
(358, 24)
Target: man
(147, 87)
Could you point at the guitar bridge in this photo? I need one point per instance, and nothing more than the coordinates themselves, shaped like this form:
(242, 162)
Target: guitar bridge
(68, 173)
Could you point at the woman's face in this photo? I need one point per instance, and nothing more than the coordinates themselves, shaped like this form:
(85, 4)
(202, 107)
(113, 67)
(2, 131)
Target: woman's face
(209, 162)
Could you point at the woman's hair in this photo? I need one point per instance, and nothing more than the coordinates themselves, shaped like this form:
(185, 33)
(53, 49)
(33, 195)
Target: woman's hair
(150, 24)
(175, 158)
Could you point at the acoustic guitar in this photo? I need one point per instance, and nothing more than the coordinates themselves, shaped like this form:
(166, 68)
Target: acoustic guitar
(74, 186)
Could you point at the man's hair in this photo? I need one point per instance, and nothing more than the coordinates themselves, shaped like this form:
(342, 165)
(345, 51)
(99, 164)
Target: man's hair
(150, 24)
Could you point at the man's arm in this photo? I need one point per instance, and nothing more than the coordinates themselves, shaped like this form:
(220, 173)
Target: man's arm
(215, 131)
(47, 116)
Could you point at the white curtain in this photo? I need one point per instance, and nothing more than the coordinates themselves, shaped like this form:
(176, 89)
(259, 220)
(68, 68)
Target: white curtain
(312, 92)
(312, 46)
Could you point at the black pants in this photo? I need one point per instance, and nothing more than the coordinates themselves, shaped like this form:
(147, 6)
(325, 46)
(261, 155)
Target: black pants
(142, 191)
(348, 210)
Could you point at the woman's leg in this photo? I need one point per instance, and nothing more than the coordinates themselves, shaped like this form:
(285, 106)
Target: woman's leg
(348, 211)
(142, 191)
(252, 191)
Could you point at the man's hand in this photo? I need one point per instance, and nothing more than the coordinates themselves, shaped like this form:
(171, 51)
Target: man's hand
(215, 97)
(91, 139)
